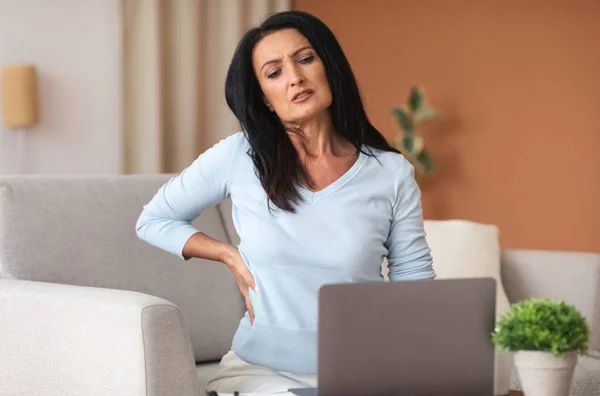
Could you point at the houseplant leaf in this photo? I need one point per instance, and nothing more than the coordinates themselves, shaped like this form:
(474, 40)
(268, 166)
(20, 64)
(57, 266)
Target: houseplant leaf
(408, 142)
(404, 120)
(415, 100)
(426, 161)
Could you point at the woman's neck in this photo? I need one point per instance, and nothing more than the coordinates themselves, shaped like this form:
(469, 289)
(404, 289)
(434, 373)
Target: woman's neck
(317, 138)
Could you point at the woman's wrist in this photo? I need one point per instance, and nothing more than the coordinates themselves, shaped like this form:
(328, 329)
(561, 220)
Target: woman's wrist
(202, 246)
(227, 253)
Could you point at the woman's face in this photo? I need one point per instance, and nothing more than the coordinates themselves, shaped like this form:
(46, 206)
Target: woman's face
(291, 76)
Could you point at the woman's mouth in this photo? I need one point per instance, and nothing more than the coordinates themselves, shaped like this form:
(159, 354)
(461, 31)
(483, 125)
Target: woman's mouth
(302, 96)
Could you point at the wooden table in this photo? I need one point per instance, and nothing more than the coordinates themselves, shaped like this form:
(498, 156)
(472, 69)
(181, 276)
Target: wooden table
(515, 393)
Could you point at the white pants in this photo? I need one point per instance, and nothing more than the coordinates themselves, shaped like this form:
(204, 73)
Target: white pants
(234, 374)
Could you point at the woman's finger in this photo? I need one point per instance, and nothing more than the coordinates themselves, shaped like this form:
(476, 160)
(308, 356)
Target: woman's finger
(248, 278)
(250, 309)
(249, 306)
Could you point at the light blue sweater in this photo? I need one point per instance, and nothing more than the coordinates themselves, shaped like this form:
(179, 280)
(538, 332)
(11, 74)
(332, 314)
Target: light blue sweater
(339, 234)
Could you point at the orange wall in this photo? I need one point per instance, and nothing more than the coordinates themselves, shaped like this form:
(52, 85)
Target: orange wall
(519, 85)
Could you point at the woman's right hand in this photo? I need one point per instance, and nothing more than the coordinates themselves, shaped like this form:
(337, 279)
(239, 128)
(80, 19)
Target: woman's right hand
(233, 260)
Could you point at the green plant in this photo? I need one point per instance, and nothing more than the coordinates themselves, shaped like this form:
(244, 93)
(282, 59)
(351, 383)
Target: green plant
(546, 325)
(409, 143)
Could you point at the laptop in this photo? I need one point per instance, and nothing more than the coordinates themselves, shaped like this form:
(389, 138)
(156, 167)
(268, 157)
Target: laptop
(411, 338)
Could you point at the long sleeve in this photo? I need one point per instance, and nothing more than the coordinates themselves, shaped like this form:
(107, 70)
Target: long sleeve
(409, 255)
(166, 221)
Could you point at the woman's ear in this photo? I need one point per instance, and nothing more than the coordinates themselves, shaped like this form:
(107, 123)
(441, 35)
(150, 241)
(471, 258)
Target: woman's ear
(268, 104)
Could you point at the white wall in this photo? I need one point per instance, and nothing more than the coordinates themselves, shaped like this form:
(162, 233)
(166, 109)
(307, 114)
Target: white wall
(77, 47)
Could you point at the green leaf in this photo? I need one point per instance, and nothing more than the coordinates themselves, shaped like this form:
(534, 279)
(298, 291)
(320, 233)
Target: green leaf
(409, 143)
(426, 161)
(415, 100)
(404, 120)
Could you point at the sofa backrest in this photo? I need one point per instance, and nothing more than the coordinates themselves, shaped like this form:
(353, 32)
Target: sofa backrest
(80, 230)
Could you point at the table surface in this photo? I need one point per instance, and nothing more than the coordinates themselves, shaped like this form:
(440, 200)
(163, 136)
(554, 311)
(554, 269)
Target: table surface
(515, 393)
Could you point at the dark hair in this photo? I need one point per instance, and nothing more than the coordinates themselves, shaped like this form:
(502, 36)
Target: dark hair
(275, 158)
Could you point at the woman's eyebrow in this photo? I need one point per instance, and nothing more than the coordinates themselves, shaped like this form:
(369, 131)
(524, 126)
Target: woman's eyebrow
(293, 54)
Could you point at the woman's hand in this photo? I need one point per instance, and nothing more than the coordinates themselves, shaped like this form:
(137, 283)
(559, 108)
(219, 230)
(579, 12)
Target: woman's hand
(243, 277)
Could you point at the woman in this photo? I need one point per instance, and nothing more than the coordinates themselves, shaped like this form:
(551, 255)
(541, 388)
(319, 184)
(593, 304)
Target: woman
(318, 197)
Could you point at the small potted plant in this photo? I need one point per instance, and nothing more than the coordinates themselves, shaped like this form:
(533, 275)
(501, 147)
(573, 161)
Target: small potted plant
(545, 337)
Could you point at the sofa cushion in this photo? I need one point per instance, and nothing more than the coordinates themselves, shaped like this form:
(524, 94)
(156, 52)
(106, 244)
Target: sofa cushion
(466, 249)
(80, 230)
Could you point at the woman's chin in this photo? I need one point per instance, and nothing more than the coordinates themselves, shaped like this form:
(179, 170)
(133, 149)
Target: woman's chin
(307, 115)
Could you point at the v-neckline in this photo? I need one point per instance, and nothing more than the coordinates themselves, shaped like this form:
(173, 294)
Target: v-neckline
(313, 196)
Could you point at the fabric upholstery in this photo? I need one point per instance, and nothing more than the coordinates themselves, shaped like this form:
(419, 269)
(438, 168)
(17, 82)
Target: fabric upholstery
(80, 230)
(58, 340)
(169, 358)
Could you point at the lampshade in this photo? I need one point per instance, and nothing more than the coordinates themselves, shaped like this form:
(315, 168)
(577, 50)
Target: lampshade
(20, 102)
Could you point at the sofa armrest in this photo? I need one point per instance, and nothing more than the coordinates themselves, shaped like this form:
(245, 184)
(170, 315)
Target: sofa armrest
(570, 276)
(71, 340)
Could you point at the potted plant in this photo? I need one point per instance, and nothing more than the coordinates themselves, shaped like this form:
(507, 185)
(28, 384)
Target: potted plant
(545, 337)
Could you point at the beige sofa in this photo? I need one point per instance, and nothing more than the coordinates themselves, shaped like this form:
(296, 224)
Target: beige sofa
(88, 309)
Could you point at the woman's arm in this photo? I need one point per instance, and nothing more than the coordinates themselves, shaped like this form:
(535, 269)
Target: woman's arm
(166, 221)
(409, 255)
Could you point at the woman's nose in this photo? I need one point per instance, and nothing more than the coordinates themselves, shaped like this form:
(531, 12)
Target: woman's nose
(296, 77)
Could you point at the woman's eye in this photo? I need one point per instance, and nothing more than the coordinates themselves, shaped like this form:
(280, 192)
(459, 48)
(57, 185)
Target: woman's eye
(274, 74)
(307, 59)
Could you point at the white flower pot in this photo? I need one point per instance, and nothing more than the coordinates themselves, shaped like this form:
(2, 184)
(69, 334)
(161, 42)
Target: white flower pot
(543, 374)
